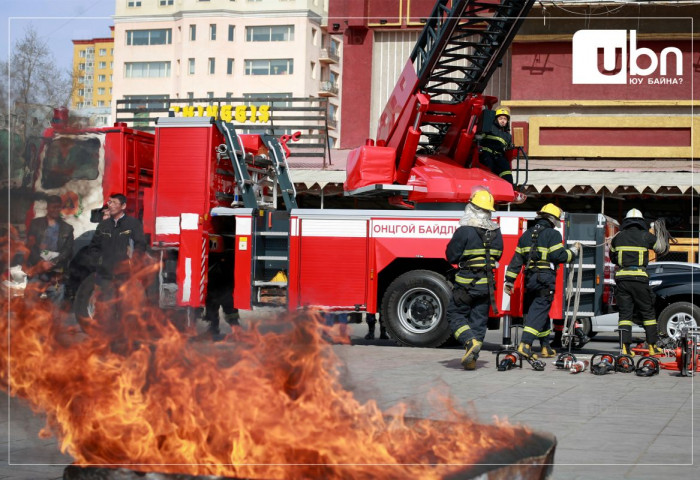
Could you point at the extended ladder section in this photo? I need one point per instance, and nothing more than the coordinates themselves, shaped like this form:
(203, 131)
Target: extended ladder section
(456, 55)
(255, 175)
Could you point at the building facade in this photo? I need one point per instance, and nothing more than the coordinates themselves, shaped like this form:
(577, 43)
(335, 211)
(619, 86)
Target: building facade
(93, 64)
(199, 49)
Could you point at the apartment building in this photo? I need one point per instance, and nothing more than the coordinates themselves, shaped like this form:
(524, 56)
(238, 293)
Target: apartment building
(93, 64)
(180, 49)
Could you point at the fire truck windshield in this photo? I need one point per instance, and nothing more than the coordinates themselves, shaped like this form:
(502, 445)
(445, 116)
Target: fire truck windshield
(69, 159)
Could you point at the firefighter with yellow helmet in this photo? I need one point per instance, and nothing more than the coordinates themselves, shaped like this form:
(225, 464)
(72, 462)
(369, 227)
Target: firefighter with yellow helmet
(629, 250)
(540, 251)
(494, 143)
(475, 247)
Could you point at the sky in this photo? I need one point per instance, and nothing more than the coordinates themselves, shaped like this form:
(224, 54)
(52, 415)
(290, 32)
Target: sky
(58, 23)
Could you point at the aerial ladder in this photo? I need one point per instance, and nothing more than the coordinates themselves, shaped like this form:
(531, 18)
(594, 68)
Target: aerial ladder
(425, 150)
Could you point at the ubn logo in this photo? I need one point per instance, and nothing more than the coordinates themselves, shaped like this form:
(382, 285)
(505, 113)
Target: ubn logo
(587, 44)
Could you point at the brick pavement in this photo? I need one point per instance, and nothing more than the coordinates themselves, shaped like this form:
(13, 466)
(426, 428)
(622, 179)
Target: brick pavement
(613, 426)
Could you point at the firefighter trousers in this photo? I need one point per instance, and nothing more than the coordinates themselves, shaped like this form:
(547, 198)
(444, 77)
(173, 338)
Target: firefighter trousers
(468, 314)
(635, 300)
(539, 293)
(498, 164)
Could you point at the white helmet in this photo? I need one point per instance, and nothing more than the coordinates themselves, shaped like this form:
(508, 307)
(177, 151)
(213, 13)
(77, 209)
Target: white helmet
(634, 213)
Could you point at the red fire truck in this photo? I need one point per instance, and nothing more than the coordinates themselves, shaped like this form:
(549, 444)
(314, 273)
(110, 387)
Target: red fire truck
(424, 159)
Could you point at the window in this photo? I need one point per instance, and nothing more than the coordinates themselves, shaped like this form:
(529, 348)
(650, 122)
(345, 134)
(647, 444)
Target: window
(313, 69)
(210, 94)
(111, 51)
(133, 4)
(193, 33)
(103, 52)
(269, 67)
(212, 65)
(110, 90)
(81, 54)
(111, 77)
(111, 64)
(146, 101)
(103, 65)
(276, 33)
(102, 78)
(101, 91)
(70, 158)
(190, 95)
(190, 66)
(162, 36)
(100, 103)
(212, 31)
(147, 69)
(81, 92)
(259, 99)
(163, 3)
(314, 36)
(229, 66)
(81, 66)
(229, 94)
(231, 29)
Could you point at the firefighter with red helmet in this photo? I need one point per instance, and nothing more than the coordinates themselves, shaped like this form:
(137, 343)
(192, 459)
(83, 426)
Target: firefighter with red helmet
(475, 246)
(629, 250)
(494, 144)
(540, 251)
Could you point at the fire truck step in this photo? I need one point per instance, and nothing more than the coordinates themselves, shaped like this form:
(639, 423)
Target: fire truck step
(271, 257)
(273, 234)
(261, 283)
(581, 314)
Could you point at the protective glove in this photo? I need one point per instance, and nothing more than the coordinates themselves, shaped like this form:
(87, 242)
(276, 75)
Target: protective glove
(508, 288)
(576, 249)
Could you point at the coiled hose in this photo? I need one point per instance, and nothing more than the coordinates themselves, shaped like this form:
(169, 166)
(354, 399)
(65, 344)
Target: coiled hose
(663, 238)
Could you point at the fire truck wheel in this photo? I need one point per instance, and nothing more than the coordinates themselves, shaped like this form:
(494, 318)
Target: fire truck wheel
(677, 315)
(414, 308)
(84, 303)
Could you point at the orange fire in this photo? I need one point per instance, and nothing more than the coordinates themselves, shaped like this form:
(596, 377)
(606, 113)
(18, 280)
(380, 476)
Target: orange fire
(259, 405)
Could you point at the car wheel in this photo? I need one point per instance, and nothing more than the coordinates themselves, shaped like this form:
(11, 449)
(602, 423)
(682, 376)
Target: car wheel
(674, 317)
(414, 309)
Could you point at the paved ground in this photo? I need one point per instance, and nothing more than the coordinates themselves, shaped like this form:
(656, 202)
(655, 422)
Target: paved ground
(613, 426)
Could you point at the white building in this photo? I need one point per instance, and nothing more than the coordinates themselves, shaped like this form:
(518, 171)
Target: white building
(181, 49)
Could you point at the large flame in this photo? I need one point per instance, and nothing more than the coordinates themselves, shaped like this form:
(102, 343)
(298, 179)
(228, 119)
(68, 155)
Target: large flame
(260, 405)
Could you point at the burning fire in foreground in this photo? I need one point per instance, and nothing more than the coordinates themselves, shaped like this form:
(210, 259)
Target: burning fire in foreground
(259, 405)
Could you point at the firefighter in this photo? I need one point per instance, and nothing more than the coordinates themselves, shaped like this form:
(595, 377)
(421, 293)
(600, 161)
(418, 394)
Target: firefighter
(629, 250)
(540, 251)
(496, 140)
(475, 246)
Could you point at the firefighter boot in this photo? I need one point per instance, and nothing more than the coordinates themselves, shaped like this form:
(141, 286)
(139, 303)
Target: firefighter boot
(370, 331)
(472, 347)
(654, 350)
(556, 343)
(232, 318)
(547, 351)
(525, 349)
(627, 350)
(382, 332)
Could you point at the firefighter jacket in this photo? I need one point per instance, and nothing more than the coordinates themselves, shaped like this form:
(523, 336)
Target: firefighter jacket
(496, 140)
(64, 245)
(468, 249)
(629, 250)
(114, 244)
(549, 251)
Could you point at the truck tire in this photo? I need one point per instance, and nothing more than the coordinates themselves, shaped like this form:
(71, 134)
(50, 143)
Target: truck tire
(676, 315)
(84, 303)
(414, 309)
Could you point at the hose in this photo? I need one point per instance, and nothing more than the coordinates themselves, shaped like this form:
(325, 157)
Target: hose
(663, 238)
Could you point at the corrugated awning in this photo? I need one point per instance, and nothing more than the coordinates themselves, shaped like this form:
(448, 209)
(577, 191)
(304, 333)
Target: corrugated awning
(567, 181)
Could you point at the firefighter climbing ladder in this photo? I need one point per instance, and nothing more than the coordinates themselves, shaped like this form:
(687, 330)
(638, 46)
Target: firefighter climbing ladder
(458, 52)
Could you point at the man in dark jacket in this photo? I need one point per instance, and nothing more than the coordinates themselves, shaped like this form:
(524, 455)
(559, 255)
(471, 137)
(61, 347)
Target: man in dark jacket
(629, 250)
(117, 241)
(50, 244)
(496, 140)
(475, 247)
(540, 251)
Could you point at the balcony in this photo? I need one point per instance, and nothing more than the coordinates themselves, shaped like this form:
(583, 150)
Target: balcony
(328, 89)
(332, 123)
(329, 55)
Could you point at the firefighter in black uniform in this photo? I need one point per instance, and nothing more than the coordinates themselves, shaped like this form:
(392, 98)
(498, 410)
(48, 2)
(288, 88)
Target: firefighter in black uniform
(475, 246)
(540, 250)
(494, 143)
(629, 250)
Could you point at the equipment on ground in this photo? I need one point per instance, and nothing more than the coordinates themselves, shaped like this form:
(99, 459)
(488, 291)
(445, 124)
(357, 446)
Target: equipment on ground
(647, 367)
(565, 360)
(604, 363)
(579, 366)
